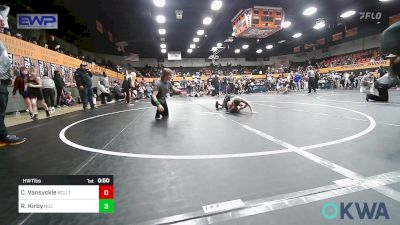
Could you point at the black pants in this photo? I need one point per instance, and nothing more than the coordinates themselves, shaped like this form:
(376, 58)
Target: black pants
(49, 95)
(3, 106)
(311, 84)
(103, 97)
(383, 95)
(163, 102)
(118, 96)
(128, 96)
(59, 94)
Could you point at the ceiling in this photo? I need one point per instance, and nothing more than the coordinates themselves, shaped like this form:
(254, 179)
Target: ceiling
(134, 21)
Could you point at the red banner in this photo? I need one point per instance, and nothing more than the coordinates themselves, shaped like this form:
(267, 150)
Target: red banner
(296, 49)
(351, 32)
(337, 37)
(321, 41)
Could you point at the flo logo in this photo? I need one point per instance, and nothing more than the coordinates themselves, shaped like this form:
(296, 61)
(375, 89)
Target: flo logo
(370, 15)
(355, 210)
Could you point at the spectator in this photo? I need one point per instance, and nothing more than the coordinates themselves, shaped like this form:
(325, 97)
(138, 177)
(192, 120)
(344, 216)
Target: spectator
(104, 93)
(53, 44)
(83, 78)
(127, 85)
(49, 92)
(297, 80)
(117, 91)
(105, 80)
(149, 90)
(60, 85)
(19, 36)
(67, 99)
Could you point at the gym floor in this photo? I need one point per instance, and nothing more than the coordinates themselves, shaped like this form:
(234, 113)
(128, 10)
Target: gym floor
(277, 166)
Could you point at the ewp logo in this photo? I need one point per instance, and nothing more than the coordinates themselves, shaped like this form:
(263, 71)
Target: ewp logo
(37, 21)
(331, 211)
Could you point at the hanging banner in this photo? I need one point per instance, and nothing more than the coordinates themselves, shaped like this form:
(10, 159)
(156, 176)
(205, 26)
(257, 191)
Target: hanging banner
(321, 41)
(296, 49)
(41, 68)
(19, 50)
(27, 62)
(359, 66)
(337, 37)
(351, 32)
(307, 46)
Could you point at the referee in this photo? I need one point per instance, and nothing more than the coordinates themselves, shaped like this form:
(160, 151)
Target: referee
(5, 80)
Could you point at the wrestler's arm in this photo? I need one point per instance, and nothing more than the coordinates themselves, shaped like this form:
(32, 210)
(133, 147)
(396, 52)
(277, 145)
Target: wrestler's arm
(245, 104)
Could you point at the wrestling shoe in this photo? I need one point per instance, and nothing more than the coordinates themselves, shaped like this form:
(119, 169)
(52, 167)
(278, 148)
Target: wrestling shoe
(11, 140)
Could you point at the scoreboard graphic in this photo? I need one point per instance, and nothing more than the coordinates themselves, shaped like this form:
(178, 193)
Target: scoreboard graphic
(258, 22)
(66, 194)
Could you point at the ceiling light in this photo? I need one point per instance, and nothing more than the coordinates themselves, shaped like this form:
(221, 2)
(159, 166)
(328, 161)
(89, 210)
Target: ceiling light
(237, 51)
(190, 50)
(297, 35)
(259, 51)
(216, 5)
(163, 50)
(160, 19)
(281, 41)
(348, 14)
(286, 24)
(163, 46)
(192, 46)
(196, 39)
(245, 46)
(319, 25)
(162, 31)
(200, 32)
(159, 3)
(385, 0)
(269, 46)
(207, 20)
(309, 11)
(219, 44)
(214, 49)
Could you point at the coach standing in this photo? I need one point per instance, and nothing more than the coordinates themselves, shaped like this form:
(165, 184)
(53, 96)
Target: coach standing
(83, 78)
(390, 45)
(5, 80)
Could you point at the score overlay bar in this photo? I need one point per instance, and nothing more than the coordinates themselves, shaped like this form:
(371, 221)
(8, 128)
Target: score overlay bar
(66, 194)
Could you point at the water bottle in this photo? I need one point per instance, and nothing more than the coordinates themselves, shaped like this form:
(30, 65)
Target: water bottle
(17, 113)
